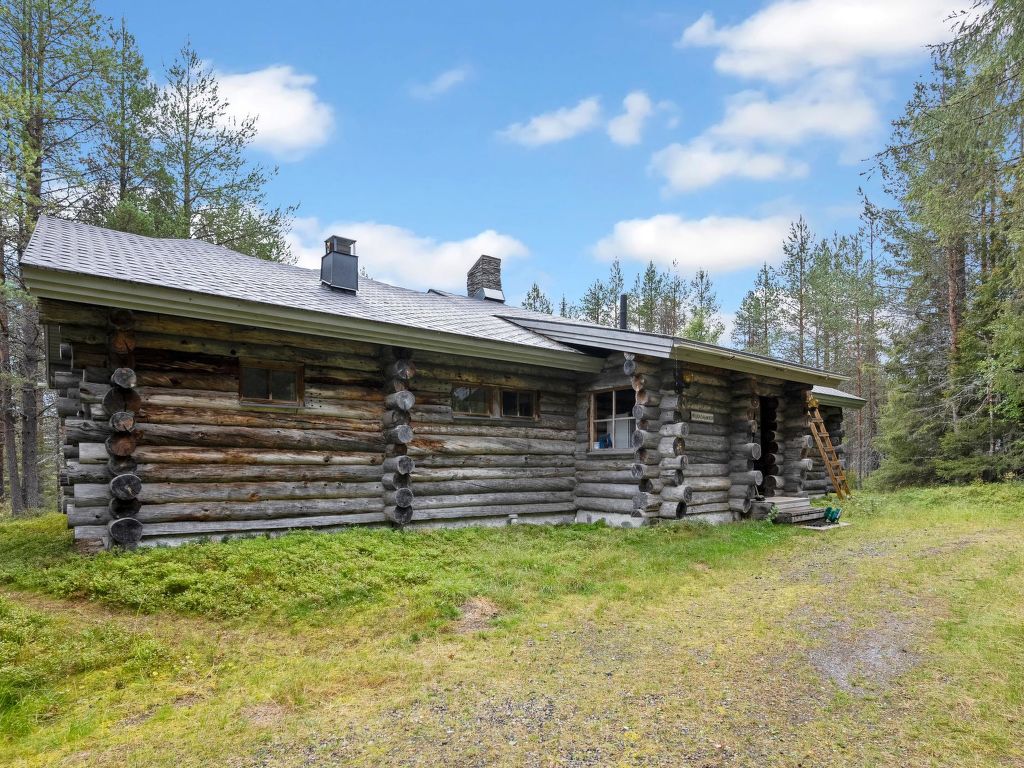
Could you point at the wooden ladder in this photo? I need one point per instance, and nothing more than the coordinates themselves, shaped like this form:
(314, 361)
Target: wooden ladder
(827, 450)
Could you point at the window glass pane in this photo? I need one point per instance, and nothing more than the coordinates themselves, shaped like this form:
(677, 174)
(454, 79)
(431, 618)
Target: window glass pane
(602, 435)
(509, 403)
(603, 405)
(625, 399)
(526, 404)
(622, 432)
(284, 385)
(517, 404)
(475, 401)
(255, 384)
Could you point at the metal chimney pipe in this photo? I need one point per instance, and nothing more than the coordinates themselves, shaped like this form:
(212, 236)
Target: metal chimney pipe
(624, 312)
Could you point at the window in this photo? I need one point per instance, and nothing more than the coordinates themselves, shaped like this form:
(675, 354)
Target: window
(516, 404)
(270, 383)
(472, 401)
(491, 402)
(611, 419)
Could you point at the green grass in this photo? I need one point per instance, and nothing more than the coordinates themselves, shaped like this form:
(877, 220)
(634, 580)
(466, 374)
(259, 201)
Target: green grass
(308, 577)
(669, 645)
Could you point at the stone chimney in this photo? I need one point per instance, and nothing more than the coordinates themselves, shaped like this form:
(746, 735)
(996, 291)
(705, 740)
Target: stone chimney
(483, 281)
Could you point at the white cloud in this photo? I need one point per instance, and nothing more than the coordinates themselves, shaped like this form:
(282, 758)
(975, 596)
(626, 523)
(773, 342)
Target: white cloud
(626, 129)
(555, 126)
(441, 84)
(717, 243)
(788, 38)
(399, 256)
(831, 105)
(290, 118)
(702, 163)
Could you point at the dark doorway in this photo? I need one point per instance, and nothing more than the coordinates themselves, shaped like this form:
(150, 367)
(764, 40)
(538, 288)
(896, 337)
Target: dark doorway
(769, 430)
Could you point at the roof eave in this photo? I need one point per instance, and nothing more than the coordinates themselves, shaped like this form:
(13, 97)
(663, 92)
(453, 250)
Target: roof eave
(744, 363)
(853, 402)
(87, 289)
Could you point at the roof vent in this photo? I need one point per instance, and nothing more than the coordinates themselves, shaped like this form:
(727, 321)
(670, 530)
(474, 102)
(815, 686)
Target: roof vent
(483, 280)
(339, 267)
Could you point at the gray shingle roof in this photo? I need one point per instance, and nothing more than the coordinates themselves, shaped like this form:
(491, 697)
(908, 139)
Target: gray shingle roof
(194, 265)
(281, 293)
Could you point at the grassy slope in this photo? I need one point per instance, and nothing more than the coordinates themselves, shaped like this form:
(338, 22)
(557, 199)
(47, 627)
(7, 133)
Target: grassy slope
(896, 641)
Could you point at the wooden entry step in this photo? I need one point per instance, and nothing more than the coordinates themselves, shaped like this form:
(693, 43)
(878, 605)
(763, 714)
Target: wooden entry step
(794, 509)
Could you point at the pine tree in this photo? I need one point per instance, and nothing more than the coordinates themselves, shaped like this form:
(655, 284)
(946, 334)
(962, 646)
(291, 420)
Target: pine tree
(122, 162)
(793, 274)
(52, 59)
(645, 300)
(705, 323)
(214, 193)
(536, 300)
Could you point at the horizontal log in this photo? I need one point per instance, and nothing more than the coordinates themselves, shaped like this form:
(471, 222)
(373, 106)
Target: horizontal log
(237, 473)
(402, 400)
(398, 515)
(623, 490)
(677, 493)
(173, 493)
(523, 484)
(623, 476)
(707, 443)
(643, 439)
(672, 510)
(753, 477)
(77, 431)
(402, 465)
(706, 470)
(649, 397)
(250, 437)
(742, 491)
(498, 501)
(480, 461)
(399, 497)
(489, 445)
(399, 435)
(709, 497)
(645, 502)
(224, 511)
(710, 507)
(646, 412)
(678, 429)
(155, 530)
(672, 446)
(740, 505)
(639, 471)
(708, 483)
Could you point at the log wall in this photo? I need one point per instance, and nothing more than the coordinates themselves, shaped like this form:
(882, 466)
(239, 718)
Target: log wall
(160, 450)
(487, 470)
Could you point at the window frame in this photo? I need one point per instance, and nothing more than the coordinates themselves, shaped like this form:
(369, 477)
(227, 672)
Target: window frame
(611, 421)
(274, 365)
(534, 398)
(495, 402)
(465, 414)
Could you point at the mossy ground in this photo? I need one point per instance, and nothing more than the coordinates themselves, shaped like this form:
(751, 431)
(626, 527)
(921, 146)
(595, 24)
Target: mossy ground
(898, 640)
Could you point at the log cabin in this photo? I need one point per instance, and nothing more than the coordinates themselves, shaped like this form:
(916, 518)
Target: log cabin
(207, 394)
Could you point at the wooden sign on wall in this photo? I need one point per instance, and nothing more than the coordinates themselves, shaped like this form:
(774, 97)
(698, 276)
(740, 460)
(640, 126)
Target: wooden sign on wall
(702, 417)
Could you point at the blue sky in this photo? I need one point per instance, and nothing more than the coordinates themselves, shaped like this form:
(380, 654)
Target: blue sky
(558, 135)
